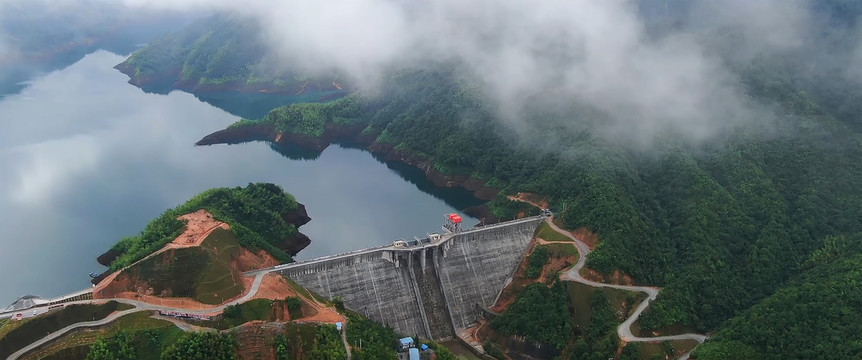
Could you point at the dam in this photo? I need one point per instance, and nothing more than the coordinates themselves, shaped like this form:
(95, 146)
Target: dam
(429, 287)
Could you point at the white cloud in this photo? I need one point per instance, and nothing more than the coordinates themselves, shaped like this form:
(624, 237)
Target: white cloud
(593, 52)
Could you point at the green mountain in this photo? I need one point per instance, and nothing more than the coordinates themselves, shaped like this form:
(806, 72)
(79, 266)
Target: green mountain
(816, 316)
(262, 216)
(728, 228)
(720, 228)
(220, 52)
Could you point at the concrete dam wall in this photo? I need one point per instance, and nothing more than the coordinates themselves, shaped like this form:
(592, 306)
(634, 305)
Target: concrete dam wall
(430, 289)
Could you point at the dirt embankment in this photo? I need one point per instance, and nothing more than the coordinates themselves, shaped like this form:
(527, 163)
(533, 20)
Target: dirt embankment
(199, 225)
(353, 135)
(276, 287)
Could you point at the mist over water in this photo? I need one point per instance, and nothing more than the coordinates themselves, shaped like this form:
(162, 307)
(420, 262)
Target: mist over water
(87, 158)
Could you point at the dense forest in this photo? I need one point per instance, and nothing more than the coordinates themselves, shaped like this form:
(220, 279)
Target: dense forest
(208, 53)
(255, 213)
(720, 228)
(818, 315)
(730, 228)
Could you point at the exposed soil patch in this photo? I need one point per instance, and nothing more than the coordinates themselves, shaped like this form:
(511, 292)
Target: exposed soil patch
(254, 341)
(616, 278)
(248, 260)
(587, 237)
(556, 264)
(276, 287)
(199, 225)
(535, 199)
(519, 282)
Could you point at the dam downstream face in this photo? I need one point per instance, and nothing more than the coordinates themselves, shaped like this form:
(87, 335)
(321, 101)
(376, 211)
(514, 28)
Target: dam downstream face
(87, 159)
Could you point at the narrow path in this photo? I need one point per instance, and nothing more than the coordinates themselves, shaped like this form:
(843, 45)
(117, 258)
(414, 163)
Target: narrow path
(66, 329)
(624, 331)
(138, 306)
(344, 340)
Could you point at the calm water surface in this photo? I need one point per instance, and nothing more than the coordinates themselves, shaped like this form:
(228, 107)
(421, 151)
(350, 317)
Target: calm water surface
(86, 158)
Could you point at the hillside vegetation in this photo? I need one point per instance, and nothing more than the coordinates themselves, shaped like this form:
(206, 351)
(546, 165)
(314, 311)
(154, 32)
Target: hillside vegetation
(203, 273)
(817, 316)
(17, 334)
(724, 226)
(719, 228)
(218, 50)
(255, 213)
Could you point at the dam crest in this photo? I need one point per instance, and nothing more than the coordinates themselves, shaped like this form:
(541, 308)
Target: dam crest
(431, 287)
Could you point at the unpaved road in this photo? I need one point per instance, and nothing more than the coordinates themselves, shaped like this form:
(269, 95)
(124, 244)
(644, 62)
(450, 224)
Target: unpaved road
(624, 331)
(138, 306)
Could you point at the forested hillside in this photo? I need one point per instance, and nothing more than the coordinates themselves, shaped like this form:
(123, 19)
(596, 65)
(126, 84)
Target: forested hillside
(727, 226)
(817, 316)
(221, 50)
(257, 214)
(720, 227)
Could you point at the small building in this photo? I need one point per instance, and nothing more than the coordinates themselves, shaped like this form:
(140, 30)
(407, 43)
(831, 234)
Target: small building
(338, 326)
(424, 347)
(414, 354)
(452, 223)
(406, 343)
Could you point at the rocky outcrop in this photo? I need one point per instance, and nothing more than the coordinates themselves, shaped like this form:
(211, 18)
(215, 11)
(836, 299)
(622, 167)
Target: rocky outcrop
(108, 257)
(294, 245)
(297, 217)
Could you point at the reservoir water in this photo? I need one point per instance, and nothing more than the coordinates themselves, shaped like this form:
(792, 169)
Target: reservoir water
(86, 158)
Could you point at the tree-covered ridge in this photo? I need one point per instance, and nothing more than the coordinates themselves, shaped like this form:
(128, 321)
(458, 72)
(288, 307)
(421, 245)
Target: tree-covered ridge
(817, 316)
(202, 346)
(310, 119)
(255, 214)
(720, 226)
(540, 313)
(213, 51)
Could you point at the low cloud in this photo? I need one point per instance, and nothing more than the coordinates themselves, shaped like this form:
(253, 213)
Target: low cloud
(601, 55)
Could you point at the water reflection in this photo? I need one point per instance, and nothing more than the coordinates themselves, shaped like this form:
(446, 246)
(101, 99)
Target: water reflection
(244, 104)
(86, 158)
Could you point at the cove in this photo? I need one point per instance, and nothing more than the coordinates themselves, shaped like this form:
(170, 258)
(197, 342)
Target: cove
(86, 158)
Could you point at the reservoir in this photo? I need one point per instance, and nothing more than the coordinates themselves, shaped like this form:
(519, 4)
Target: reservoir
(86, 158)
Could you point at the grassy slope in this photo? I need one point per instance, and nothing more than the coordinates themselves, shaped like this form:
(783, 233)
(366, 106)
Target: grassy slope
(154, 333)
(254, 213)
(203, 273)
(549, 234)
(16, 334)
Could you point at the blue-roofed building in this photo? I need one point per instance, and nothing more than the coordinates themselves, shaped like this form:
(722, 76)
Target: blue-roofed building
(406, 343)
(414, 354)
(424, 347)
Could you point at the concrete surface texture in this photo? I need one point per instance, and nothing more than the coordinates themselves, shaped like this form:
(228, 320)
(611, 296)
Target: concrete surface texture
(430, 290)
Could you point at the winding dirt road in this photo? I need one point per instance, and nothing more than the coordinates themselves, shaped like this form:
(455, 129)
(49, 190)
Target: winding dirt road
(138, 306)
(573, 274)
(624, 331)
